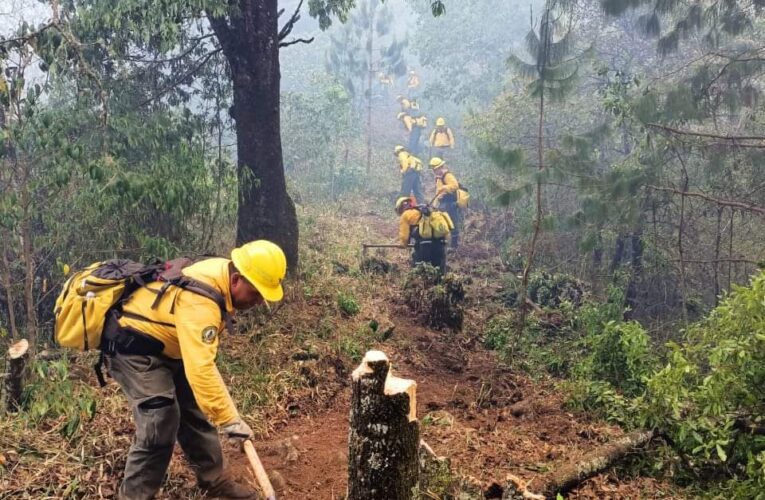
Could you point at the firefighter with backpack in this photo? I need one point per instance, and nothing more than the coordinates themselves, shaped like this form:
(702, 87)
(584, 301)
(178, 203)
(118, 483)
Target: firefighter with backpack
(427, 228)
(411, 173)
(158, 328)
(450, 195)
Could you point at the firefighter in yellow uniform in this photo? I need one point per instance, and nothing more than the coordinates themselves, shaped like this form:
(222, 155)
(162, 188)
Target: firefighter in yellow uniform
(430, 250)
(441, 138)
(162, 353)
(411, 173)
(446, 195)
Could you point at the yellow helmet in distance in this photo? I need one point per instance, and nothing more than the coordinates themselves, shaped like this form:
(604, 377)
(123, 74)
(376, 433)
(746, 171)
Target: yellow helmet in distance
(440, 122)
(436, 162)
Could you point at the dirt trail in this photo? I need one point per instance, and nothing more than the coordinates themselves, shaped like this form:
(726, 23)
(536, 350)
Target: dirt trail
(463, 408)
(463, 405)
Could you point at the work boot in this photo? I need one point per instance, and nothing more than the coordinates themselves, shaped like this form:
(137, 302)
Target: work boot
(226, 488)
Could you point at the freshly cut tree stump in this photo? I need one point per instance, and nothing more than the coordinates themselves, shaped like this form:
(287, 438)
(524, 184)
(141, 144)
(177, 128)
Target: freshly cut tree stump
(14, 382)
(383, 439)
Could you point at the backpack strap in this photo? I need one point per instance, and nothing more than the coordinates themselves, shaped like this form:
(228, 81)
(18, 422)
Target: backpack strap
(197, 287)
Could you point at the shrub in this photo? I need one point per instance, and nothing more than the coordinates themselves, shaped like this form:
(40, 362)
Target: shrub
(54, 396)
(348, 304)
(712, 387)
(620, 355)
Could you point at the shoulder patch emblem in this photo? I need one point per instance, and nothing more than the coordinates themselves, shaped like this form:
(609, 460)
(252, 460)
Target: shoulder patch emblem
(208, 334)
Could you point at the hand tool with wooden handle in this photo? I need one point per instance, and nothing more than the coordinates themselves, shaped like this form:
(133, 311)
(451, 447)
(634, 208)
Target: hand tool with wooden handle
(257, 468)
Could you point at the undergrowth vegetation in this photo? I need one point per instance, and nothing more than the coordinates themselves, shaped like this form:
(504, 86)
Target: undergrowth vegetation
(703, 394)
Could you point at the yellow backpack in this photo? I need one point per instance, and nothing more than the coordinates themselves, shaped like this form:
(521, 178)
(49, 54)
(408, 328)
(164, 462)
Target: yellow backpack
(82, 306)
(434, 224)
(463, 197)
(88, 296)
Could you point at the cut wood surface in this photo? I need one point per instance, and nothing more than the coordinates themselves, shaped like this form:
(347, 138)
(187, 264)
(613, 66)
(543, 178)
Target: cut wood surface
(383, 439)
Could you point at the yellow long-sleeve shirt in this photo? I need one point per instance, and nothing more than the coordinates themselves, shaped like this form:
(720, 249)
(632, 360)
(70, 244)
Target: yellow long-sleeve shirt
(189, 326)
(406, 161)
(408, 219)
(446, 184)
(408, 122)
(442, 137)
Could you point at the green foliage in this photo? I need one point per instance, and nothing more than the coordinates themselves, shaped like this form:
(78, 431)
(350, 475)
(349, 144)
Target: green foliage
(347, 304)
(706, 396)
(714, 380)
(54, 398)
(619, 355)
(498, 332)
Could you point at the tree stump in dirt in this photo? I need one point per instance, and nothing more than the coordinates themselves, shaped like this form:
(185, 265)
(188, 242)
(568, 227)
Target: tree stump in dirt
(14, 381)
(383, 439)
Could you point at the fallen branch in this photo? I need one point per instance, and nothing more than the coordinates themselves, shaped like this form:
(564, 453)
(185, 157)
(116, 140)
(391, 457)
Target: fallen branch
(570, 474)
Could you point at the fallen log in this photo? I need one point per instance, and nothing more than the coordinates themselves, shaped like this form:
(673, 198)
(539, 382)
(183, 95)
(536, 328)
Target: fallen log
(570, 474)
(383, 439)
(18, 353)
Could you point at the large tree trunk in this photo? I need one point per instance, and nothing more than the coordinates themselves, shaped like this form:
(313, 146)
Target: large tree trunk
(250, 42)
(383, 439)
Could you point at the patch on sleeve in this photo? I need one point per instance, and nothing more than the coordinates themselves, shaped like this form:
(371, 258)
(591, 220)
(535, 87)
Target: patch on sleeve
(209, 333)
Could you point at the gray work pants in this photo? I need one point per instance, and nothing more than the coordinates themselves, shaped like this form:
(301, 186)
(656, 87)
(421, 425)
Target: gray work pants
(164, 409)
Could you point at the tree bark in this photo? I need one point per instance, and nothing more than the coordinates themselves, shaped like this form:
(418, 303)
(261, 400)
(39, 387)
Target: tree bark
(383, 438)
(250, 41)
(8, 286)
(18, 353)
(572, 473)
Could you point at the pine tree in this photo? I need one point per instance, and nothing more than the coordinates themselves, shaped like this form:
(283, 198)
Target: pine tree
(553, 72)
(364, 47)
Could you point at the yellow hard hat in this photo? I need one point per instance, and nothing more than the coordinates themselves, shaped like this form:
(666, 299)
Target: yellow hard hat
(398, 149)
(264, 265)
(436, 162)
(440, 122)
(400, 202)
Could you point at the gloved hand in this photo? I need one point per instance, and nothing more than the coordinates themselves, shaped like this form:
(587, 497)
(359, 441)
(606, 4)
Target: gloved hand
(238, 430)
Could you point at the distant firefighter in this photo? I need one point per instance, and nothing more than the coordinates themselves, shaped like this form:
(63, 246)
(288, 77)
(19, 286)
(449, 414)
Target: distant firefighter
(411, 173)
(413, 82)
(427, 228)
(447, 192)
(441, 138)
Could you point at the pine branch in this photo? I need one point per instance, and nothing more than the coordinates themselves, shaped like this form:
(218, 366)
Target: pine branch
(719, 201)
(704, 134)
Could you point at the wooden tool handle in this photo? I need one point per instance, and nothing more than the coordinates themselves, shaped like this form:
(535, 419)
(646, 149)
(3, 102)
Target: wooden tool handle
(260, 472)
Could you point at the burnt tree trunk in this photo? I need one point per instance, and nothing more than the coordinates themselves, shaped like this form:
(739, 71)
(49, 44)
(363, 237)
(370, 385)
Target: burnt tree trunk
(249, 38)
(18, 353)
(383, 437)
